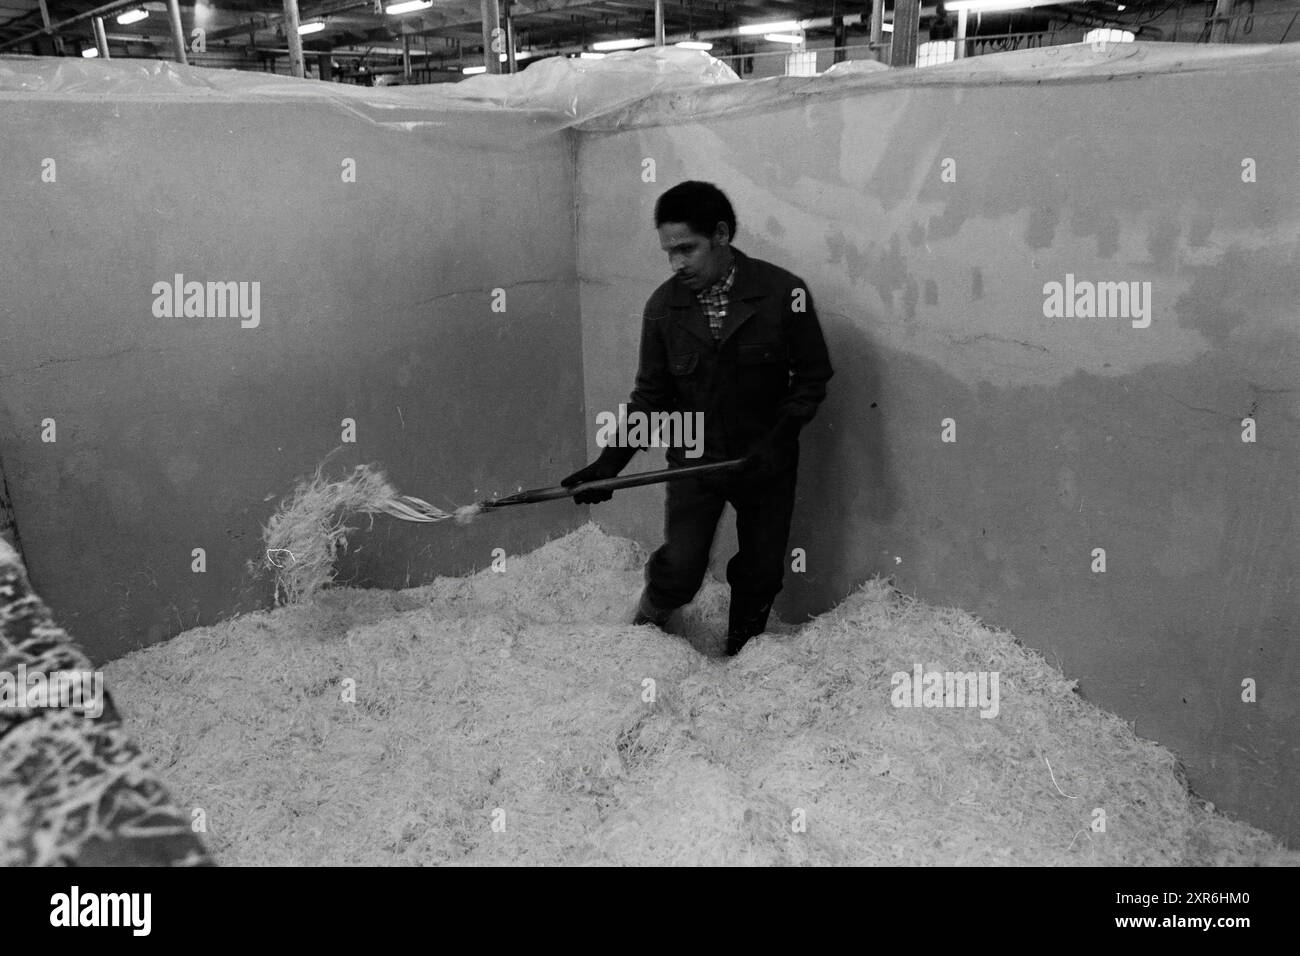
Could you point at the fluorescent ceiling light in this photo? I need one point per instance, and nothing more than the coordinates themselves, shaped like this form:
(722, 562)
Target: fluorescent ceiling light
(316, 26)
(620, 44)
(1106, 35)
(783, 37)
(519, 55)
(132, 16)
(934, 52)
(988, 6)
(694, 45)
(773, 27)
(408, 6)
(90, 52)
(474, 69)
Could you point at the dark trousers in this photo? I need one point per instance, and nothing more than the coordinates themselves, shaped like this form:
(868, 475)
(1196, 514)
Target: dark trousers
(764, 506)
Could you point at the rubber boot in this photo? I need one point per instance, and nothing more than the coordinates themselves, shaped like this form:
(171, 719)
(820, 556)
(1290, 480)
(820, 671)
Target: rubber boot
(648, 613)
(746, 619)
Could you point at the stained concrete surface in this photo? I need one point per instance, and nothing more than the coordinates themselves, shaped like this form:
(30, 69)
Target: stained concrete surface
(1072, 433)
(376, 304)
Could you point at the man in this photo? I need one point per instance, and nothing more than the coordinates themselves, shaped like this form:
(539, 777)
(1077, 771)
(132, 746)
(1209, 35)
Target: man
(738, 339)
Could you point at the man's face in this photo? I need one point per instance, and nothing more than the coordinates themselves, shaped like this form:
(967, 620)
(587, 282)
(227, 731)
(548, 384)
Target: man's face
(699, 260)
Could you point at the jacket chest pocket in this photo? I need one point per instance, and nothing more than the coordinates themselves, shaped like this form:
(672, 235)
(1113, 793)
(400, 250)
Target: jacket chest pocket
(684, 363)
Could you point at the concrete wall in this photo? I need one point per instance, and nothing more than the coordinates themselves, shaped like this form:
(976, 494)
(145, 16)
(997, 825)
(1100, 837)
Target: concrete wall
(181, 433)
(1072, 433)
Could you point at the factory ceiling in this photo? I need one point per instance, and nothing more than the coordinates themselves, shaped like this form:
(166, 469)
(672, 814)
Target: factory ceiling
(448, 35)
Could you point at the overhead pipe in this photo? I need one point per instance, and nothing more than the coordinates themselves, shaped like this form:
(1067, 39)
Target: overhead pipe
(815, 23)
(338, 53)
(724, 33)
(87, 15)
(270, 21)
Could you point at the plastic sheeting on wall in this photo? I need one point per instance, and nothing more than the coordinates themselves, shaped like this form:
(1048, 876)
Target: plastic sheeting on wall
(583, 88)
(573, 89)
(1073, 63)
(629, 88)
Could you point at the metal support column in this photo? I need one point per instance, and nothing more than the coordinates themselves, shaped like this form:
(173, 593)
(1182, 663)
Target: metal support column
(907, 24)
(45, 19)
(659, 22)
(1222, 16)
(961, 33)
(178, 33)
(492, 35)
(293, 37)
(512, 65)
(877, 29)
(101, 40)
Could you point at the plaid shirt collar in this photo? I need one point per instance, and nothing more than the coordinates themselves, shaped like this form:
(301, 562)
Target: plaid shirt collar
(722, 286)
(714, 300)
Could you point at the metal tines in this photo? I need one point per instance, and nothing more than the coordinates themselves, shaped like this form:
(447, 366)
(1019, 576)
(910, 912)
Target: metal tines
(407, 508)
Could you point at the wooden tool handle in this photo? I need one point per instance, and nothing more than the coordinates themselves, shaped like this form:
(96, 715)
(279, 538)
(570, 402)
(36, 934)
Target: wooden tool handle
(613, 484)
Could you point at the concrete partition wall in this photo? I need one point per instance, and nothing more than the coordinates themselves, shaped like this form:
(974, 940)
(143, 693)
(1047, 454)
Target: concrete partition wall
(375, 304)
(1171, 168)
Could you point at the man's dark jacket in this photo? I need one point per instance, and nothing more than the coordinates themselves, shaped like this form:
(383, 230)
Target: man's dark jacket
(770, 363)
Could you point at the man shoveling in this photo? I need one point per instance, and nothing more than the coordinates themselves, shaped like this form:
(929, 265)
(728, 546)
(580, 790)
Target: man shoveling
(737, 339)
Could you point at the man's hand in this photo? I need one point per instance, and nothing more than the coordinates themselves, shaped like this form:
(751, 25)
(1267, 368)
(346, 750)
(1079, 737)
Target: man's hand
(608, 465)
(774, 451)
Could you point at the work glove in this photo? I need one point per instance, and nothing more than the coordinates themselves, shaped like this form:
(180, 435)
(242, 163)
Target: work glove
(775, 451)
(611, 461)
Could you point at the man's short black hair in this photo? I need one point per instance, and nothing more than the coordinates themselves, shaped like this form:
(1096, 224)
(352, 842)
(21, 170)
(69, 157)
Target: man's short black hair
(700, 205)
